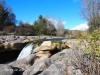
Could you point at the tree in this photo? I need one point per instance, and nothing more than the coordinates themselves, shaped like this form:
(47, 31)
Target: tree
(26, 24)
(41, 25)
(50, 26)
(21, 23)
(7, 17)
(90, 11)
(40, 17)
(60, 28)
(44, 26)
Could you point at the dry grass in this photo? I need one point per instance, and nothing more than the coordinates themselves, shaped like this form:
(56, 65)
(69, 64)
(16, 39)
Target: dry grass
(76, 34)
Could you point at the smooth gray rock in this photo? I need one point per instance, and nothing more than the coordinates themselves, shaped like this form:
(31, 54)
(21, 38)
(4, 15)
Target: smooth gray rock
(25, 63)
(67, 57)
(38, 67)
(7, 70)
(55, 69)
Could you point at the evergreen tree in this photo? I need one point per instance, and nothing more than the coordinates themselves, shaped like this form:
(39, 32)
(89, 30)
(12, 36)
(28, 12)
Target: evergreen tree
(7, 17)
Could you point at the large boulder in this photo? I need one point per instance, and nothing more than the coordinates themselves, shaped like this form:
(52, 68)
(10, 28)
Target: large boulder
(25, 63)
(67, 57)
(45, 46)
(7, 70)
(43, 54)
(42, 48)
(55, 69)
(43, 51)
(46, 43)
(38, 67)
(49, 46)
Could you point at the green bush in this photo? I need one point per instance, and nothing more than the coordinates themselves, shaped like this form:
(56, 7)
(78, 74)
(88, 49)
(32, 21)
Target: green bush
(93, 48)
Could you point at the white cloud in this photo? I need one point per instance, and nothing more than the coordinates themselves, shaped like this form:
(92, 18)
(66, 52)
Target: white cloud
(55, 21)
(64, 22)
(83, 26)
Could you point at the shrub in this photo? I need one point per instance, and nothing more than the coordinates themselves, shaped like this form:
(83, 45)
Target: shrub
(76, 34)
(93, 48)
(90, 60)
(24, 31)
(9, 29)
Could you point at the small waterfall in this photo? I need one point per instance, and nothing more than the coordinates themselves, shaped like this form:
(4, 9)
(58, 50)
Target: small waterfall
(27, 50)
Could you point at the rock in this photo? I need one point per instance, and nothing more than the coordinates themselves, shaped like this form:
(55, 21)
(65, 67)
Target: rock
(43, 54)
(45, 46)
(48, 46)
(14, 46)
(7, 70)
(25, 63)
(55, 69)
(73, 71)
(9, 46)
(64, 45)
(66, 57)
(42, 48)
(31, 39)
(46, 43)
(18, 46)
(38, 67)
(74, 43)
(1, 65)
(54, 58)
(26, 40)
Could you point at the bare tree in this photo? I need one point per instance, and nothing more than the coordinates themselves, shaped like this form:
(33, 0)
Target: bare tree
(50, 25)
(60, 28)
(90, 11)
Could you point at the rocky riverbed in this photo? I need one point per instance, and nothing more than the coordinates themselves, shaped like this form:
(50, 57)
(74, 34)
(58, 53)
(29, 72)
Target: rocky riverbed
(10, 46)
(50, 58)
(46, 59)
(16, 42)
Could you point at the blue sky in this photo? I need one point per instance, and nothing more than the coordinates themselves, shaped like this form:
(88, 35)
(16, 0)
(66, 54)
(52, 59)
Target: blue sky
(29, 10)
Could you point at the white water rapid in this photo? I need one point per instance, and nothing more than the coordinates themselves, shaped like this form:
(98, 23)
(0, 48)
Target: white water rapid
(27, 50)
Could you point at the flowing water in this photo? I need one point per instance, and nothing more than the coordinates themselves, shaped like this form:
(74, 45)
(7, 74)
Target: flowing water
(27, 50)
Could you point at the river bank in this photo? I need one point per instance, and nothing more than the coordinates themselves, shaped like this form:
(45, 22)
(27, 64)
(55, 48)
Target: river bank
(9, 43)
(11, 46)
